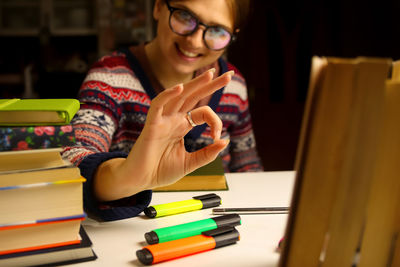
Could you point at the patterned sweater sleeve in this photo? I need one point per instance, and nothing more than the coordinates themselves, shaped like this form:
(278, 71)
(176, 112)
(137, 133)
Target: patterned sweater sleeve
(95, 125)
(242, 148)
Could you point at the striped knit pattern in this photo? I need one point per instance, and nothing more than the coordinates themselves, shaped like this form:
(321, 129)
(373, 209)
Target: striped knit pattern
(116, 105)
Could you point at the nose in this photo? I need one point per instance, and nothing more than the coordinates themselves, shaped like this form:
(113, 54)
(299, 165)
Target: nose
(196, 38)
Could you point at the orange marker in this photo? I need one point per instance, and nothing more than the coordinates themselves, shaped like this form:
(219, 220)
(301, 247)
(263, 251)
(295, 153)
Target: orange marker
(208, 240)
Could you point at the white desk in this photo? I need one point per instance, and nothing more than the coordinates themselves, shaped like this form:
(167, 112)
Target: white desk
(115, 243)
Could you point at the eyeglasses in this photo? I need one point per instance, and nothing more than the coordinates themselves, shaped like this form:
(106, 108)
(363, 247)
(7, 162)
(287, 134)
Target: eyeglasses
(183, 23)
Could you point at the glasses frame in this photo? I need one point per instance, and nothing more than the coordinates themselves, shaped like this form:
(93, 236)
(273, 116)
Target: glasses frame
(198, 23)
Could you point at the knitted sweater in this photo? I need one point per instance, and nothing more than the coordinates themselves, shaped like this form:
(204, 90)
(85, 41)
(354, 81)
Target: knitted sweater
(116, 97)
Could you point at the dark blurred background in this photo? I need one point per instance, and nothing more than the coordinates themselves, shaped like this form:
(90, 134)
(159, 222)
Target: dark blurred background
(48, 45)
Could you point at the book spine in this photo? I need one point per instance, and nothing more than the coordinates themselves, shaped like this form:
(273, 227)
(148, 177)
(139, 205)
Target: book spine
(23, 224)
(47, 246)
(8, 102)
(36, 137)
(71, 110)
(80, 180)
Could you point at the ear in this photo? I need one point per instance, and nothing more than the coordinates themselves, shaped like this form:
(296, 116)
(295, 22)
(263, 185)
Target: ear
(157, 9)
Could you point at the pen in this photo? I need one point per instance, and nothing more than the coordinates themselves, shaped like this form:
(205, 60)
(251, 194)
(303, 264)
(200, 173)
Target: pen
(208, 240)
(196, 203)
(260, 210)
(179, 231)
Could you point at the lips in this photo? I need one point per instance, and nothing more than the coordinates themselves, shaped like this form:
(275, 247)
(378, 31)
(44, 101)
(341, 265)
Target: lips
(187, 54)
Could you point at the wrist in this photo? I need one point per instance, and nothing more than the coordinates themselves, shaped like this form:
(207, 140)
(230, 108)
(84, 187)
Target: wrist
(112, 181)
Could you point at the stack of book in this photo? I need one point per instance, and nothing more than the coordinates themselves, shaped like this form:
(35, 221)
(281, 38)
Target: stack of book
(41, 205)
(345, 207)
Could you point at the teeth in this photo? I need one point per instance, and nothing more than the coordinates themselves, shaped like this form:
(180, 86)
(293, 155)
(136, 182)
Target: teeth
(187, 53)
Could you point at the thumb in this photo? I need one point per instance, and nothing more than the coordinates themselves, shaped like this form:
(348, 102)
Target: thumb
(205, 155)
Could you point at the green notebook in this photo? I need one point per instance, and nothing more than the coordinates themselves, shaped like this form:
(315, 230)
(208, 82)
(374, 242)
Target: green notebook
(14, 112)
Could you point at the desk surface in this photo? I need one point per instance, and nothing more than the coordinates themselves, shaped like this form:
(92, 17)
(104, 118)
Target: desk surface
(115, 243)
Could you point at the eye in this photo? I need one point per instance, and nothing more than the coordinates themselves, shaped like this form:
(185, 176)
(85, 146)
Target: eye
(218, 32)
(184, 17)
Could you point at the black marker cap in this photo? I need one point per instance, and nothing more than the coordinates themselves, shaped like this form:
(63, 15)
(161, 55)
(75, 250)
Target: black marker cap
(150, 212)
(223, 236)
(151, 237)
(209, 200)
(145, 256)
(227, 220)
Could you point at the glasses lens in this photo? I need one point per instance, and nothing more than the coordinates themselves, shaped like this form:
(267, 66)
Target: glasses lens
(182, 22)
(217, 38)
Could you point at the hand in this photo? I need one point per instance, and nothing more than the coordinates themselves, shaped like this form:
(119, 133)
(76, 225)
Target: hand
(159, 156)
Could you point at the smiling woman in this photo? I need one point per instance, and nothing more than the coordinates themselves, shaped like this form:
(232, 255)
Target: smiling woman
(180, 47)
(134, 134)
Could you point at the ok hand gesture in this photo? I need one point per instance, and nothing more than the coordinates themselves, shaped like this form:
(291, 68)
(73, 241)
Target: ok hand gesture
(159, 156)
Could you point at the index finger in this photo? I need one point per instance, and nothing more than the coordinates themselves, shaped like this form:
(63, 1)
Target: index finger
(205, 114)
(194, 96)
(176, 103)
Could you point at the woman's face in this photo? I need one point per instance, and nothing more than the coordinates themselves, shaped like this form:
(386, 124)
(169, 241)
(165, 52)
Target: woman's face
(185, 54)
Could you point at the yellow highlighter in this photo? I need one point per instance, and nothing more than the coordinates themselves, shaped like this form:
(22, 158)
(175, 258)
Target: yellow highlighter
(196, 203)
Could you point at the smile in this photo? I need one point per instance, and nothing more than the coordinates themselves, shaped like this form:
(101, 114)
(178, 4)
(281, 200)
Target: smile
(187, 53)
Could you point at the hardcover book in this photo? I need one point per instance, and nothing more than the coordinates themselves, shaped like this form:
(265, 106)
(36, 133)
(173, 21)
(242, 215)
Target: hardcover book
(36, 137)
(345, 204)
(49, 175)
(31, 159)
(39, 201)
(37, 111)
(208, 177)
(39, 234)
(53, 256)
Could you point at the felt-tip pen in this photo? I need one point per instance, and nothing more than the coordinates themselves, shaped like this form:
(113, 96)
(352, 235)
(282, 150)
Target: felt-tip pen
(258, 210)
(184, 230)
(208, 240)
(196, 203)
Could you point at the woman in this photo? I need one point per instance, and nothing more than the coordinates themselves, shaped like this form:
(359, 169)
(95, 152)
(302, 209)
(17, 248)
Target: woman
(125, 147)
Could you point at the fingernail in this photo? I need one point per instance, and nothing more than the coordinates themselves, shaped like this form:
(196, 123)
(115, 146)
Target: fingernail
(177, 87)
(212, 70)
(231, 72)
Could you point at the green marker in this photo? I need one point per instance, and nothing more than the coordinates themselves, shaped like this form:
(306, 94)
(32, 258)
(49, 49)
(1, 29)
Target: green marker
(196, 203)
(190, 229)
